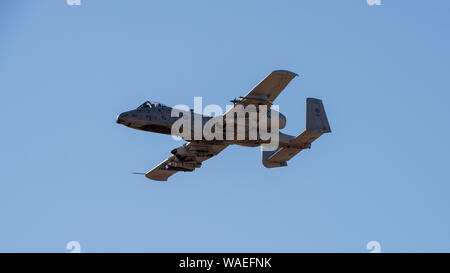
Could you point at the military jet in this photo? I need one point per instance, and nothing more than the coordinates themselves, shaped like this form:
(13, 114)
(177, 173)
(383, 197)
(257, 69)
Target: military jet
(157, 118)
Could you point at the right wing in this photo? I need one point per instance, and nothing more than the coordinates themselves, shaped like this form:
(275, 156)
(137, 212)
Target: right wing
(269, 88)
(186, 159)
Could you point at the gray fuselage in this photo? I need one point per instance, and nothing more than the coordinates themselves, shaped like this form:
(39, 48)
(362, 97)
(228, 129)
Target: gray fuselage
(157, 118)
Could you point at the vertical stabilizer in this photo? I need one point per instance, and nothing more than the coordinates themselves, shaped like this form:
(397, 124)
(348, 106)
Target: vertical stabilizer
(316, 118)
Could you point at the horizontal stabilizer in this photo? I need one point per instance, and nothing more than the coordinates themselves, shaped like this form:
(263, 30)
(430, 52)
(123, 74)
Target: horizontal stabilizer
(316, 125)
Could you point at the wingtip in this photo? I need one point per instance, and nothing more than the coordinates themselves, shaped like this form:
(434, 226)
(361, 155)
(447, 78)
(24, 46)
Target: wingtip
(285, 72)
(156, 178)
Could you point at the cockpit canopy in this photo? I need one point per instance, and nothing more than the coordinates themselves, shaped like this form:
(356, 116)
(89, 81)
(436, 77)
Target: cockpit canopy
(149, 104)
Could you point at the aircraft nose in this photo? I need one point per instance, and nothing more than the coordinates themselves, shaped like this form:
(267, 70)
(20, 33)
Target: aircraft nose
(121, 118)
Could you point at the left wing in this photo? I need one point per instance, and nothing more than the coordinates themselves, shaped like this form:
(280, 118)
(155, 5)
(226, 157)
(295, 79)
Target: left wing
(185, 159)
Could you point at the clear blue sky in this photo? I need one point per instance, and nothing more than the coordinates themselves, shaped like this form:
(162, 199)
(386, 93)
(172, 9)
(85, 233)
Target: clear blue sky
(383, 174)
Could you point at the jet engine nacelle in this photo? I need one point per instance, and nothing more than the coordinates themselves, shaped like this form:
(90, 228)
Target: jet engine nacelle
(180, 151)
(281, 118)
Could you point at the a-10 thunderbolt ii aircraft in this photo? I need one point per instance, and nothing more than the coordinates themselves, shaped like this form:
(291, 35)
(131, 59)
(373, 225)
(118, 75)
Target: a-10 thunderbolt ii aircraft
(157, 118)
